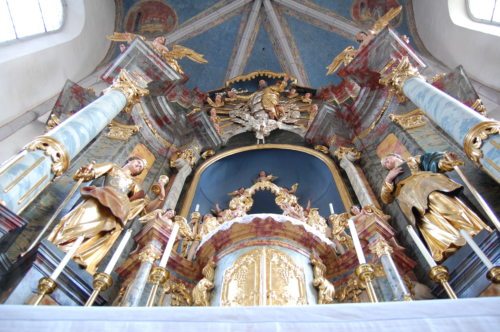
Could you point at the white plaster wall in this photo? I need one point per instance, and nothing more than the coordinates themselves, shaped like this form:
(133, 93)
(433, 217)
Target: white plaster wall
(453, 44)
(34, 70)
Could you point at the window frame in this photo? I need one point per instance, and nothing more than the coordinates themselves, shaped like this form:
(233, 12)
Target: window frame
(37, 35)
(480, 20)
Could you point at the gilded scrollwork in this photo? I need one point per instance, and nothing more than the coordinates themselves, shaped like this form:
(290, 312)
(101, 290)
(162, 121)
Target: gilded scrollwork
(382, 248)
(394, 79)
(188, 155)
(350, 153)
(180, 295)
(55, 150)
(121, 131)
(474, 139)
(202, 291)
(479, 107)
(53, 122)
(410, 120)
(322, 149)
(326, 290)
(339, 224)
(350, 291)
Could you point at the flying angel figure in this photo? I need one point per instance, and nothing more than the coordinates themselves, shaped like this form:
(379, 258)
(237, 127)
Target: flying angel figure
(158, 44)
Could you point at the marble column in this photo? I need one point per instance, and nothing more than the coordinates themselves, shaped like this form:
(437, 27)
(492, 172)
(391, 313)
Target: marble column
(25, 175)
(364, 193)
(384, 251)
(133, 294)
(478, 135)
(183, 161)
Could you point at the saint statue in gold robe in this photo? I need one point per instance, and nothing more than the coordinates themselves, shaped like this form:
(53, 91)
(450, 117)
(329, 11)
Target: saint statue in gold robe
(428, 199)
(103, 213)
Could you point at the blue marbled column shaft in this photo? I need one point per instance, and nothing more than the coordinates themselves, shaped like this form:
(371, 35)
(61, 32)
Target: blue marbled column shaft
(19, 185)
(74, 134)
(393, 277)
(82, 127)
(454, 118)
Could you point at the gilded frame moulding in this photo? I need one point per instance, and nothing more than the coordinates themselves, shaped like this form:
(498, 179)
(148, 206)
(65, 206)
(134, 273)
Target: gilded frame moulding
(410, 120)
(474, 139)
(341, 186)
(254, 74)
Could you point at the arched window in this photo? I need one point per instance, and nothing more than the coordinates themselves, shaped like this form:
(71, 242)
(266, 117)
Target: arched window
(23, 18)
(484, 11)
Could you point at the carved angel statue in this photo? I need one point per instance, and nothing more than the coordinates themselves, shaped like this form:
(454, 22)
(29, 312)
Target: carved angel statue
(347, 55)
(263, 176)
(326, 291)
(158, 44)
(343, 58)
(201, 292)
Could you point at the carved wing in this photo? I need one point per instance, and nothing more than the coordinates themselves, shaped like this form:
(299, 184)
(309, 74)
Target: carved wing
(344, 57)
(179, 52)
(124, 37)
(383, 21)
(184, 229)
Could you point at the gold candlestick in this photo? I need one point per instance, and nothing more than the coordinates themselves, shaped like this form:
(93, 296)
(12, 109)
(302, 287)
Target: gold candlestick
(158, 276)
(440, 274)
(45, 287)
(102, 281)
(493, 275)
(365, 273)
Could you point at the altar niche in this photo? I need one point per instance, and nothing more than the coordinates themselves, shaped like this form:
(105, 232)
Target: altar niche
(318, 178)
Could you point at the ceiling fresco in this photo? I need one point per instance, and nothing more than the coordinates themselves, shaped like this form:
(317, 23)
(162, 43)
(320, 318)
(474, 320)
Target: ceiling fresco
(218, 28)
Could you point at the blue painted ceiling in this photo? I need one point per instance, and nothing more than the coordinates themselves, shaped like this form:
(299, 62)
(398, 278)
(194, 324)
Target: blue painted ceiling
(316, 45)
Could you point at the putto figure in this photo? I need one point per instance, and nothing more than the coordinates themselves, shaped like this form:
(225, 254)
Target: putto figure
(428, 199)
(104, 211)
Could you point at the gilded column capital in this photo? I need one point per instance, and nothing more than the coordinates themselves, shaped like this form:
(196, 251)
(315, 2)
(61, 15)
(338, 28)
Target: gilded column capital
(149, 254)
(396, 77)
(413, 119)
(351, 154)
(132, 85)
(382, 248)
(474, 139)
(188, 155)
(55, 150)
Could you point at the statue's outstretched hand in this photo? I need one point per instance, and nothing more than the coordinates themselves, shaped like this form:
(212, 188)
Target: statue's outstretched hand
(86, 173)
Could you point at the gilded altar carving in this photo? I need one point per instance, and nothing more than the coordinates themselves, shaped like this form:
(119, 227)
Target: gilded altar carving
(479, 107)
(343, 58)
(53, 122)
(394, 79)
(350, 153)
(132, 85)
(350, 291)
(263, 276)
(322, 149)
(410, 120)
(55, 150)
(207, 154)
(382, 248)
(188, 155)
(180, 295)
(474, 139)
(339, 225)
(202, 291)
(326, 291)
(121, 131)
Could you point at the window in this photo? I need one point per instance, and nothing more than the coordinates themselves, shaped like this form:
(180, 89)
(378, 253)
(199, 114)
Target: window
(23, 18)
(484, 11)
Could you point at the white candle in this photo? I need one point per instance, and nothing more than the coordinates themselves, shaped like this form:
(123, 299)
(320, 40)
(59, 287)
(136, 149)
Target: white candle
(118, 252)
(476, 249)
(66, 258)
(421, 246)
(331, 208)
(170, 244)
(197, 208)
(355, 240)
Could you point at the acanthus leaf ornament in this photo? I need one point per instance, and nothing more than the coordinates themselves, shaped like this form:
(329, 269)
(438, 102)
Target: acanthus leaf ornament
(474, 139)
(132, 85)
(55, 150)
(410, 120)
(395, 78)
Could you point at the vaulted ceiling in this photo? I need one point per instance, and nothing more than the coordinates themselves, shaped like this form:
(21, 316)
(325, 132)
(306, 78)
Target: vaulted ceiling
(238, 36)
